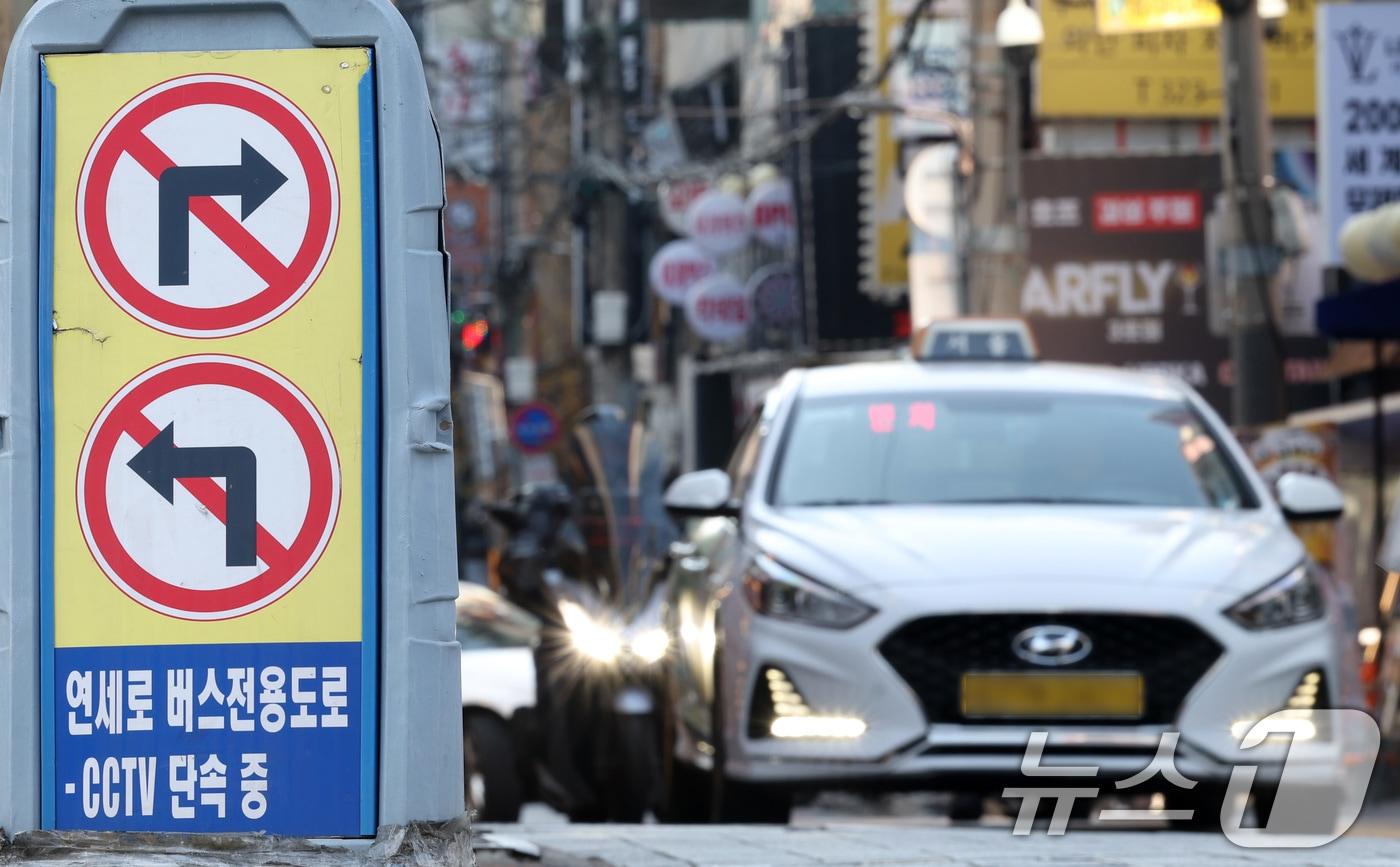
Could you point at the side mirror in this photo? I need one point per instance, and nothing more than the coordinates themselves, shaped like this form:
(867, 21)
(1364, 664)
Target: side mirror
(1309, 498)
(700, 494)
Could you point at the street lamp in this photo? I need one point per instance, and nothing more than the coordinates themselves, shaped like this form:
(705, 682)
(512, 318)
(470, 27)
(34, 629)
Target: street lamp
(1019, 34)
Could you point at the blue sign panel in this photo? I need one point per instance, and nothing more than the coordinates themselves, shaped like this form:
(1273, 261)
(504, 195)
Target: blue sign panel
(534, 427)
(209, 738)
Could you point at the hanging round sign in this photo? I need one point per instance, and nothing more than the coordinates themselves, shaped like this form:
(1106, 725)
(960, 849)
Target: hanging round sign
(773, 294)
(675, 198)
(718, 222)
(676, 267)
(718, 308)
(771, 213)
(929, 191)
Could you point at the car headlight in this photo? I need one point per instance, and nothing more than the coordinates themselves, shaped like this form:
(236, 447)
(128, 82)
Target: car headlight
(1294, 598)
(777, 591)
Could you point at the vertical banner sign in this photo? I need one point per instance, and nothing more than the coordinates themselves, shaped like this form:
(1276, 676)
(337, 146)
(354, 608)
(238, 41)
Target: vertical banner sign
(884, 230)
(209, 592)
(1359, 121)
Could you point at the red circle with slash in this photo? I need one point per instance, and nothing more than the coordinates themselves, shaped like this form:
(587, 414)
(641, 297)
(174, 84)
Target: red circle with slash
(297, 188)
(193, 404)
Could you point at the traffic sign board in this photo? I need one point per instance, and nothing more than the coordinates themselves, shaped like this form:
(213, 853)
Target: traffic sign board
(180, 205)
(534, 427)
(214, 226)
(208, 487)
(207, 205)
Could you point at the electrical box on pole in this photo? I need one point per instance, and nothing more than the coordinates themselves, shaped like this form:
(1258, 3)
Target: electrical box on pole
(227, 556)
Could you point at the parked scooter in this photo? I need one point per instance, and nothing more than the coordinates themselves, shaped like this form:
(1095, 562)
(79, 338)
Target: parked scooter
(586, 561)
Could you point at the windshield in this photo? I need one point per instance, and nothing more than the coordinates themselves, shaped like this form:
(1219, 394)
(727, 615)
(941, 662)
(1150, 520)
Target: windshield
(1003, 448)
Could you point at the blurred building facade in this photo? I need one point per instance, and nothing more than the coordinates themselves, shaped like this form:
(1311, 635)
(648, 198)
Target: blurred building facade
(1079, 190)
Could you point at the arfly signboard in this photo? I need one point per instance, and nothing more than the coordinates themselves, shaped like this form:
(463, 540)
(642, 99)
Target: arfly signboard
(1125, 270)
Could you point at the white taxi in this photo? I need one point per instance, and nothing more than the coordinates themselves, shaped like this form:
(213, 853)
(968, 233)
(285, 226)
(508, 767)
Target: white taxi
(908, 567)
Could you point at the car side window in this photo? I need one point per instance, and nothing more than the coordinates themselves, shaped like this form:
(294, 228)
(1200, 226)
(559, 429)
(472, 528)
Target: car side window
(745, 457)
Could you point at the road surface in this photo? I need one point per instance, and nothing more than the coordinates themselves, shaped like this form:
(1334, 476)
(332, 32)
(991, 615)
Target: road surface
(896, 832)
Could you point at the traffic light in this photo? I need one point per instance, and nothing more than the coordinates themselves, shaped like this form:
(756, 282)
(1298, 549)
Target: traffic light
(474, 333)
(471, 327)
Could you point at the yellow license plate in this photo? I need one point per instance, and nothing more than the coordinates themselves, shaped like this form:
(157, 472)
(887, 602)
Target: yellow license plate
(1009, 694)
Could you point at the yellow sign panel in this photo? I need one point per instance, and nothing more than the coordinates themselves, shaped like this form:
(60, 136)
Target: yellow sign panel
(1169, 74)
(886, 271)
(1140, 16)
(208, 430)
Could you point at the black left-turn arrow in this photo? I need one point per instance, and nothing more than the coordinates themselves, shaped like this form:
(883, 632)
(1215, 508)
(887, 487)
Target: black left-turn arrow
(254, 179)
(161, 462)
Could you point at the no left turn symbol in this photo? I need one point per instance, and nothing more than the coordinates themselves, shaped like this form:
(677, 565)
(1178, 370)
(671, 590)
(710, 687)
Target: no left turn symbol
(208, 487)
(207, 205)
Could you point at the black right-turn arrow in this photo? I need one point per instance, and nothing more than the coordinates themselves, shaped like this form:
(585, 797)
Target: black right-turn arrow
(254, 179)
(161, 462)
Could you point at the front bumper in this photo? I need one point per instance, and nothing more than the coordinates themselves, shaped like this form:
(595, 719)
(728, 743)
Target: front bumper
(843, 672)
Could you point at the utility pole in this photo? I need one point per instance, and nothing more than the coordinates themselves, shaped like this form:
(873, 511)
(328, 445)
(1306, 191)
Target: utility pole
(1250, 253)
(578, 143)
(992, 254)
(601, 242)
(611, 372)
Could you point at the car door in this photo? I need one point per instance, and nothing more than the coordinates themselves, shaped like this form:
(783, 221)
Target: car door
(702, 566)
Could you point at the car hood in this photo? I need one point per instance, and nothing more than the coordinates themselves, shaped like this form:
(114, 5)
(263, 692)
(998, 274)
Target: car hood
(891, 545)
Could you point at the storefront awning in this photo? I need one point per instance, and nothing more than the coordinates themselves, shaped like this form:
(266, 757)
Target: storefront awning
(1370, 313)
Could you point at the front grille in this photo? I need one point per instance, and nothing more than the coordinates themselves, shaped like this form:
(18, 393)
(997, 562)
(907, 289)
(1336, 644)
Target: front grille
(932, 653)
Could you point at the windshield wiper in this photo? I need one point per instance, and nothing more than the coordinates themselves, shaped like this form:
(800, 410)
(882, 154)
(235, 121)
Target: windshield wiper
(839, 501)
(1038, 501)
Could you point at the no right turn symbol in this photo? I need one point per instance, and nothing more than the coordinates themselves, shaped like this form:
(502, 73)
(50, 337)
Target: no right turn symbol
(207, 206)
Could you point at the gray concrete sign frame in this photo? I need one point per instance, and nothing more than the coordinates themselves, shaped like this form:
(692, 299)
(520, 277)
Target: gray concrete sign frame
(420, 758)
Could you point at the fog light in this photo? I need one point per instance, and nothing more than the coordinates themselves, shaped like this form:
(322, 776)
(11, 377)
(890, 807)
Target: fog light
(1305, 694)
(778, 710)
(1310, 693)
(811, 726)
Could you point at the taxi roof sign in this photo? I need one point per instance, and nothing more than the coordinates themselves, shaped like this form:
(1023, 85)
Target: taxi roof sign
(977, 340)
